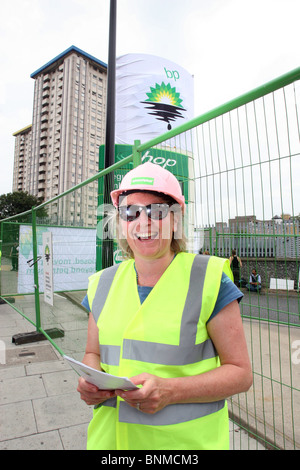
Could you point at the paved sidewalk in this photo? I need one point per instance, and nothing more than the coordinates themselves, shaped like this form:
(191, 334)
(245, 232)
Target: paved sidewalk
(40, 408)
(39, 405)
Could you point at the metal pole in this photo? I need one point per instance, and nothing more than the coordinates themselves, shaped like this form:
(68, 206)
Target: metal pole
(36, 272)
(1, 243)
(136, 154)
(109, 157)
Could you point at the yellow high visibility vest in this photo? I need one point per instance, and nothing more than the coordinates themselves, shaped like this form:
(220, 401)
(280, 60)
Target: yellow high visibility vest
(165, 336)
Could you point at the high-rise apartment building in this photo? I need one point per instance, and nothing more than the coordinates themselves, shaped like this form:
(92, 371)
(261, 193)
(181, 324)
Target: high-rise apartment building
(21, 174)
(68, 126)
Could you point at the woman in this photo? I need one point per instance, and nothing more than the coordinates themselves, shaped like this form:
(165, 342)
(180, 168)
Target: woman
(236, 264)
(170, 321)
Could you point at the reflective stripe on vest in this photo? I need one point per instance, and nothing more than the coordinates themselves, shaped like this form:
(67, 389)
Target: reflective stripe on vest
(102, 291)
(158, 353)
(187, 352)
(171, 414)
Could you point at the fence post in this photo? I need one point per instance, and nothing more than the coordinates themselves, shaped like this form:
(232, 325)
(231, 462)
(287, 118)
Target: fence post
(1, 242)
(137, 157)
(217, 248)
(36, 272)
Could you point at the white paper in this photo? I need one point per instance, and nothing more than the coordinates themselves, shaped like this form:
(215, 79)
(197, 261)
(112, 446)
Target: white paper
(102, 380)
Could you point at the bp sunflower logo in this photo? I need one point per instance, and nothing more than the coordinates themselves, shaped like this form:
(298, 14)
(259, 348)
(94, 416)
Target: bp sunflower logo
(164, 103)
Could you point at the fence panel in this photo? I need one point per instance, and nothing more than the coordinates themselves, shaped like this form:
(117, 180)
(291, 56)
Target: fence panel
(246, 166)
(10, 281)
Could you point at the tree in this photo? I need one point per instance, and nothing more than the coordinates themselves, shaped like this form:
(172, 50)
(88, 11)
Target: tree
(18, 202)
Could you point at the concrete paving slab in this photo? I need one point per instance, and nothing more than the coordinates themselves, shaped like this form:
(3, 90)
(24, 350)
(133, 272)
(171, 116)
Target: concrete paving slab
(17, 420)
(60, 382)
(240, 439)
(21, 389)
(47, 367)
(60, 411)
(74, 437)
(43, 441)
(9, 331)
(10, 324)
(12, 372)
(73, 341)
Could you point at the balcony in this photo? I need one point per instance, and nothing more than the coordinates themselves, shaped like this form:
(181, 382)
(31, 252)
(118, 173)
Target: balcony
(45, 102)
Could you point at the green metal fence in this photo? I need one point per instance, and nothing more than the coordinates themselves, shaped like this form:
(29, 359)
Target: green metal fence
(243, 194)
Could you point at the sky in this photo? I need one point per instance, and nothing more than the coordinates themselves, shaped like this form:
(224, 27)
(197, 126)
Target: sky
(230, 46)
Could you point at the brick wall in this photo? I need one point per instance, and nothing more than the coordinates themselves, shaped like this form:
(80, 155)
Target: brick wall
(269, 267)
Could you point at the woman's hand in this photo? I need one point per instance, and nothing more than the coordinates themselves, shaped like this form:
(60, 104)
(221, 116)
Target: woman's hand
(152, 397)
(232, 377)
(91, 394)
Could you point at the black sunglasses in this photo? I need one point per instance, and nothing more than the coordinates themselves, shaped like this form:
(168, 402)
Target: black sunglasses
(154, 211)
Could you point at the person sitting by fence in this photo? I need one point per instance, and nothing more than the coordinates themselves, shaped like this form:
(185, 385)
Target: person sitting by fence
(254, 282)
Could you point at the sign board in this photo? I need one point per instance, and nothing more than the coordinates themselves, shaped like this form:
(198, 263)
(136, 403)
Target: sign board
(48, 267)
(73, 260)
(153, 95)
(281, 284)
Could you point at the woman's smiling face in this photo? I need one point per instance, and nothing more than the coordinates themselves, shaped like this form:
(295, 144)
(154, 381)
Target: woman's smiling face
(147, 238)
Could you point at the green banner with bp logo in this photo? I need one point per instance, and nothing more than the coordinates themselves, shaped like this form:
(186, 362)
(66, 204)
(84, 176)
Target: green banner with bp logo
(176, 163)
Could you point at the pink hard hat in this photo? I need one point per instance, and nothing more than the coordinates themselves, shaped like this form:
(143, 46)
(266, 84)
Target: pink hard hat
(150, 177)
